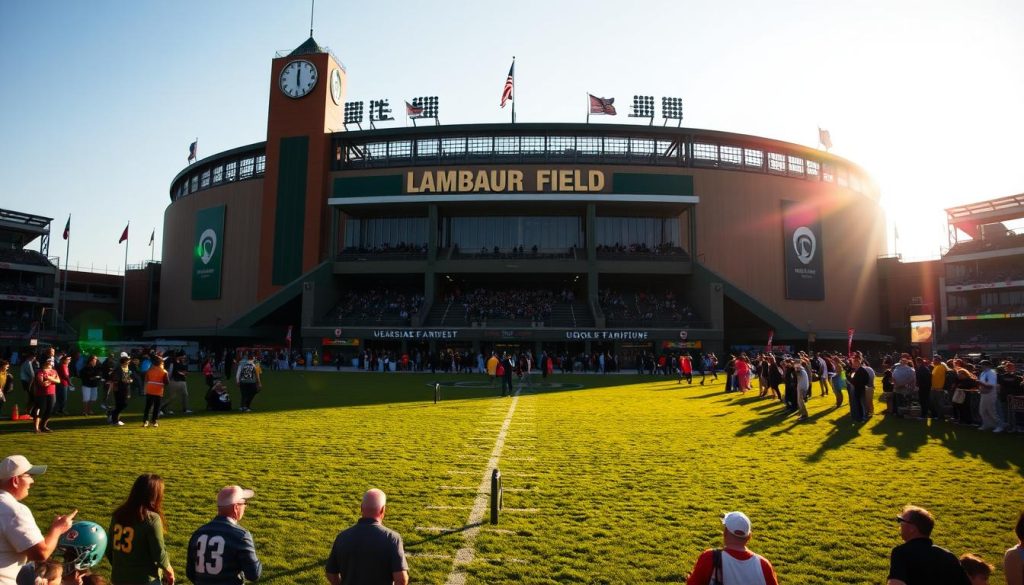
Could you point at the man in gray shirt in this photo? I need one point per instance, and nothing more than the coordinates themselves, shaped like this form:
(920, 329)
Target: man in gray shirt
(368, 553)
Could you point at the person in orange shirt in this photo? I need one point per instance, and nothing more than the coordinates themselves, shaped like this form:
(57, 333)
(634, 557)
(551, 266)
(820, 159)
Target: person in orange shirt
(156, 381)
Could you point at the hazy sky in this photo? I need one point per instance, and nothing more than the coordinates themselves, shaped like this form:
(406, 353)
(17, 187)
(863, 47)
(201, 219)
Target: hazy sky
(101, 99)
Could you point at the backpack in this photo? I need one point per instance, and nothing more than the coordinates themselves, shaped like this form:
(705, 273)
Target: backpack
(716, 564)
(247, 375)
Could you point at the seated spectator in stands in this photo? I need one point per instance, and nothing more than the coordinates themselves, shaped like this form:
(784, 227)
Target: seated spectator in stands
(978, 571)
(217, 397)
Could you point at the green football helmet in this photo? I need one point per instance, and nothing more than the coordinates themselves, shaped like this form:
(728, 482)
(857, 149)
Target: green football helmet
(83, 545)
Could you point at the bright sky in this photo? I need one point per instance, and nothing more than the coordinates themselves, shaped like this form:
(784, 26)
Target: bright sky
(101, 99)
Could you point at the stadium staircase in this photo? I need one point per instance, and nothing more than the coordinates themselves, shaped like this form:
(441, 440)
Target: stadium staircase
(444, 313)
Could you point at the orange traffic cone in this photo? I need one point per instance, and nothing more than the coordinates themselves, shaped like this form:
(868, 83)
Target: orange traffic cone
(14, 412)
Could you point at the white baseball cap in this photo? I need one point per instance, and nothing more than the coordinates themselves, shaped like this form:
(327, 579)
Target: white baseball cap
(233, 494)
(737, 524)
(124, 354)
(16, 465)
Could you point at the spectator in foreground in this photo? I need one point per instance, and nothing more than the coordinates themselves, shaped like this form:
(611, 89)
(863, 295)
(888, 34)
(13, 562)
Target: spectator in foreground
(137, 553)
(221, 552)
(82, 548)
(1013, 561)
(734, 564)
(20, 538)
(978, 571)
(919, 562)
(368, 552)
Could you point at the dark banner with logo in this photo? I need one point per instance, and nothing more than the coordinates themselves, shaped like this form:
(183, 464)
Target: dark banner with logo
(805, 270)
(207, 253)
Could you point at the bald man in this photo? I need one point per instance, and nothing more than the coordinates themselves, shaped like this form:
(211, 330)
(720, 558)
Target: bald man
(381, 557)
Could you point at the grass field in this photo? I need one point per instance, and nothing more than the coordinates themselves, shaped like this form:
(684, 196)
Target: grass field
(620, 481)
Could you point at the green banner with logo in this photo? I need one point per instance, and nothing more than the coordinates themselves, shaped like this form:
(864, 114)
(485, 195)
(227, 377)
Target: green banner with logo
(207, 253)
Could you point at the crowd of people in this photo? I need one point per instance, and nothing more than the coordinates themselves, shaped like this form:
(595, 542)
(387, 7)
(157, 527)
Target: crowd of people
(379, 305)
(645, 307)
(640, 249)
(516, 304)
(385, 248)
(158, 379)
(223, 552)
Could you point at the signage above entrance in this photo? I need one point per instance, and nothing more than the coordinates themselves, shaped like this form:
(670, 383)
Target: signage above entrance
(506, 181)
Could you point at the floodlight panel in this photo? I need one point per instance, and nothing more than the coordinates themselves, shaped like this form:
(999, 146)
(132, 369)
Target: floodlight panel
(380, 110)
(672, 108)
(643, 106)
(353, 112)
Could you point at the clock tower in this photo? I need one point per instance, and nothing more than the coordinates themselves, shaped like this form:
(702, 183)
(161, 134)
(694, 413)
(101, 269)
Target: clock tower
(307, 101)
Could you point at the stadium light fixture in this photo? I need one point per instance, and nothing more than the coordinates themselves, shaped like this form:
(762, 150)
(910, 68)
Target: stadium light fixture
(354, 114)
(380, 111)
(430, 108)
(672, 109)
(643, 107)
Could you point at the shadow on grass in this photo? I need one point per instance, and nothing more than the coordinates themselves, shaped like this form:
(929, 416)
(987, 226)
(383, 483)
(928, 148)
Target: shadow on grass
(796, 422)
(843, 431)
(273, 577)
(907, 436)
(443, 534)
(764, 423)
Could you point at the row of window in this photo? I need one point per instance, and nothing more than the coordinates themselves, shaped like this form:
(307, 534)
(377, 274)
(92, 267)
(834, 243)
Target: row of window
(240, 169)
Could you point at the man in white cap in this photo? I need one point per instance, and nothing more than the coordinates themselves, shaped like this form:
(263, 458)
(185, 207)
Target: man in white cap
(368, 553)
(221, 552)
(20, 539)
(735, 564)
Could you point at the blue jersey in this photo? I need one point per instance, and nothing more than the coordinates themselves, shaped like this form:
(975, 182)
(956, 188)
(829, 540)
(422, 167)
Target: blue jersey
(222, 553)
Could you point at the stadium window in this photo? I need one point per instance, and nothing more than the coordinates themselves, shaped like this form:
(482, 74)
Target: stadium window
(400, 149)
(664, 148)
(813, 169)
(703, 151)
(753, 158)
(641, 147)
(378, 150)
(453, 146)
(828, 173)
(230, 170)
(506, 145)
(533, 145)
(427, 147)
(246, 170)
(261, 164)
(194, 184)
(796, 165)
(616, 146)
(481, 145)
(204, 180)
(776, 162)
(588, 145)
(561, 145)
(218, 174)
(731, 155)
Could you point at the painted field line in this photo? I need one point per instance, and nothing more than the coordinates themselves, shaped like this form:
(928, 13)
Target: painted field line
(437, 529)
(462, 471)
(427, 555)
(500, 530)
(506, 489)
(449, 507)
(520, 510)
(520, 459)
(465, 555)
(457, 487)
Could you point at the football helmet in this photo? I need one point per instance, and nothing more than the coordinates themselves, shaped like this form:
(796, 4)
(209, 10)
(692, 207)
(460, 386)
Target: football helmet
(83, 545)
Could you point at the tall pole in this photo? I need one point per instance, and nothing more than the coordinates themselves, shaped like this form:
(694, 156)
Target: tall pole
(67, 257)
(514, 89)
(312, 5)
(124, 279)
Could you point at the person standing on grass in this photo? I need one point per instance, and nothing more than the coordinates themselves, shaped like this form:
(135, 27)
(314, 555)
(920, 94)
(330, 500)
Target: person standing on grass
(21, 540)
(735, 564)
(28, 378)
(156, 382)
(221, 552)
(368, 552)
(507, 368)
(248, 379)
(178, 385)
(136, 536)
(803, 386)
(121, 380)
(988, 385)
(919, 562)
(46, 396)
(857, 378)
(92, 378)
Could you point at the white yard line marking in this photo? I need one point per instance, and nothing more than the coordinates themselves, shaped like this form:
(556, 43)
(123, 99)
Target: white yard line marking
(449, 507)
(465, 555)
(457, 487)
(520, 510)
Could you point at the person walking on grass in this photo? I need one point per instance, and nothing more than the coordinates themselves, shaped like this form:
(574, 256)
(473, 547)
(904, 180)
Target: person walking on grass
(20, 538)
(988, 386)
(917, 561)
(248, 378)
(221, 552)
(735, 564)
(156, 383)
(368, 552)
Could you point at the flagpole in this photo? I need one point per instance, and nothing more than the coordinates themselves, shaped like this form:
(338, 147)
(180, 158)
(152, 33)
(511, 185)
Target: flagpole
(513, 89)
(588, 108)
(67, 257)
(124, 280)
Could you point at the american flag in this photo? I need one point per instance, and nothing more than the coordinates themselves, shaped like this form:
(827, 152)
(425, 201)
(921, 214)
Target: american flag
(192, 150)
(411, 110)
(510, 82)
(602, 105)
(825, 138)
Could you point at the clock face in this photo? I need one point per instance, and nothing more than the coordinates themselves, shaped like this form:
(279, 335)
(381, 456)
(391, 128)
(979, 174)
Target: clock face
(336, 86)
(298, 78)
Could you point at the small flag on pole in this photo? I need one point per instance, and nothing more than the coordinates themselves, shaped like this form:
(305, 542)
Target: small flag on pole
(825, 138)
(288, 336)
(193, 150)
(124, 235)
(67, 228)
(506, 93)
(771, 337)
(849, 341)
(152, 237)
(602, 105)
(413, 111)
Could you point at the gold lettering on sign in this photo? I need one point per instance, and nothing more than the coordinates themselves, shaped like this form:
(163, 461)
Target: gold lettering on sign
(504, 181)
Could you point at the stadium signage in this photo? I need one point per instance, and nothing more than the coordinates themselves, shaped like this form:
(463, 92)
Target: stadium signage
(505, 181)
(415, 333)
(208, 253)
(605, 335)
(801, 225)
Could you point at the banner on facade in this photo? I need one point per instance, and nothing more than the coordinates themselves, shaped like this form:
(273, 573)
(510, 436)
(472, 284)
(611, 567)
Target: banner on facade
(208, 253)
(802, 241)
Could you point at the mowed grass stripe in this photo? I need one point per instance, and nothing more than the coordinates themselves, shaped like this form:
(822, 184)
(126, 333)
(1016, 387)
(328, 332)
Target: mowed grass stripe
(629, 479)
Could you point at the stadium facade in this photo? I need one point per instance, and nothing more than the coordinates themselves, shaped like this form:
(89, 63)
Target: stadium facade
(567, 237)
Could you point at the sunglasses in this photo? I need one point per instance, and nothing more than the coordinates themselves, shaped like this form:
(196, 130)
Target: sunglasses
(901, 520)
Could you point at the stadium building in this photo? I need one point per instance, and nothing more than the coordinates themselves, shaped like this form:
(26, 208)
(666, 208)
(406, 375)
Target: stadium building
(563, 237)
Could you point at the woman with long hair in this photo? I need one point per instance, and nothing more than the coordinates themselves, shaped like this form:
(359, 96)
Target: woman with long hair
(136, 551)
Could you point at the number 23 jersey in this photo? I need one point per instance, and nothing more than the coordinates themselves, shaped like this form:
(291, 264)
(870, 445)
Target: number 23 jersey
(222, 553)
(137, 551)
